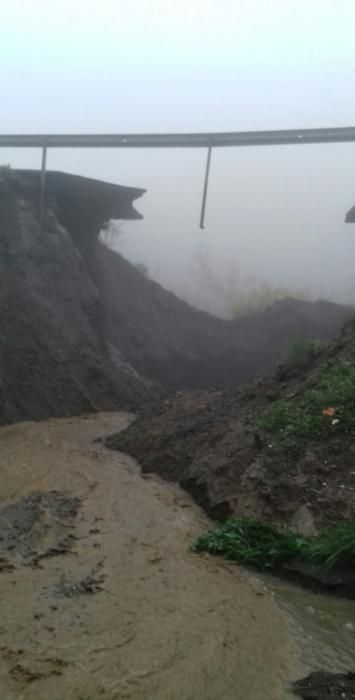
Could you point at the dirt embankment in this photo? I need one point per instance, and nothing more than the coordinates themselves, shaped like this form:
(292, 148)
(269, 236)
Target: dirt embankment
(212, 444)
(100, 594)
(54, 359)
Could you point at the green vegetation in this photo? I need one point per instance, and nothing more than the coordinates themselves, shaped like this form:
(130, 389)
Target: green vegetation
(5, 178)
(300, 352)
(325, 408)
(335, 546)
(5, 172)
(254, 543)
(226, 289)
(249, 541)
(259, 297)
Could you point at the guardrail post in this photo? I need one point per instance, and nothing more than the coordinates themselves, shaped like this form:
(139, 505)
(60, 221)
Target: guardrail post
(205, 187)
(42, 200)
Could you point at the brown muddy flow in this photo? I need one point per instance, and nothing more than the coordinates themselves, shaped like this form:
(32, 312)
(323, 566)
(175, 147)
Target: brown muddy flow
(124, 611)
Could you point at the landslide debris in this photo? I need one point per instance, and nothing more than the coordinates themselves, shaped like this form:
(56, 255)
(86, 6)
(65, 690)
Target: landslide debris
(281, 449)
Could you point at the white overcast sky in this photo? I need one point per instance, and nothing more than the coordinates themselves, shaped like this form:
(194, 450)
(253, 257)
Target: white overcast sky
(199, 65)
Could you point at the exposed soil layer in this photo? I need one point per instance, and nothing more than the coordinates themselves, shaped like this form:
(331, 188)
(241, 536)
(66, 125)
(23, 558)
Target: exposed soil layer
(210, 444)
(128, 612)
(326, 686)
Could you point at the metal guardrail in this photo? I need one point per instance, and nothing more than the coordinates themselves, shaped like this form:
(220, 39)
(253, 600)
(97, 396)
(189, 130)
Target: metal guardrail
(215, 140)
(194, 140)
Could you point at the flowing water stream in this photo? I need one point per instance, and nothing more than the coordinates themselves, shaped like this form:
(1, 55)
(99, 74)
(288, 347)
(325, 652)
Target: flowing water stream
(322, 626)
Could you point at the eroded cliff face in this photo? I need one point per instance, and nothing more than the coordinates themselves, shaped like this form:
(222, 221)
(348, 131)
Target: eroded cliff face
(54, 359)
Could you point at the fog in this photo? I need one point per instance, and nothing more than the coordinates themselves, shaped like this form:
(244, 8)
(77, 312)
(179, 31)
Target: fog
(274, 213)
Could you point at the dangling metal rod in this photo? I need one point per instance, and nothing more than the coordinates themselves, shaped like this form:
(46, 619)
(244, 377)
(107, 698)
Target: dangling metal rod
(205, 188)
(42, 200)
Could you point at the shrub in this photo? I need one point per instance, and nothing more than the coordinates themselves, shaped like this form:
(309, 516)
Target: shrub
(229, 290)
(5, 172)
(5, 175)
(259, 297)
(300, 352)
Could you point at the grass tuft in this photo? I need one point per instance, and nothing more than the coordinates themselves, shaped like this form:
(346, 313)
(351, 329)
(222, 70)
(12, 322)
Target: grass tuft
(334, 546)
(251, 542)
(323, 409)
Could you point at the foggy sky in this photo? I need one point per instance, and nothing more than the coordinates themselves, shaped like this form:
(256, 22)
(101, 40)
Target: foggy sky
(199, 65)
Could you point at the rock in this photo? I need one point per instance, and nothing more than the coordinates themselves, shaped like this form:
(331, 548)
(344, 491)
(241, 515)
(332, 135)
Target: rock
(303, 521)
(310, 610)
(321, 685)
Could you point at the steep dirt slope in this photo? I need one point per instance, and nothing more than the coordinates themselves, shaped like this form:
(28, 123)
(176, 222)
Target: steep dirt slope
(167, 340)
(281, 449)
(53, 356)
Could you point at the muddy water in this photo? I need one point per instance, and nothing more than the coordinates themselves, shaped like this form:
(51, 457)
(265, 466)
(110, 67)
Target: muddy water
(323, 626)
(127, 611)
